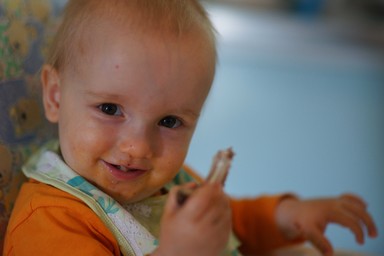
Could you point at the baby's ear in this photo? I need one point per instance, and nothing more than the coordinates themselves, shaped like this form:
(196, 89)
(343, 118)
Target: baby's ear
(51, 92)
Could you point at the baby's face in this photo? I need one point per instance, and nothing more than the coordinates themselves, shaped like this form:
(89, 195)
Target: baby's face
(127, 114)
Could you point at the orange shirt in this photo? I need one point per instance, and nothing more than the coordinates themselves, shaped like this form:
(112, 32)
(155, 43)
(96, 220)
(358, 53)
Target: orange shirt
(48, 221)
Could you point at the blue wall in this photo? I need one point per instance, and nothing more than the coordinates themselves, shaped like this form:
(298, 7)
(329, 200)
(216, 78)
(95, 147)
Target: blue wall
(303, 107)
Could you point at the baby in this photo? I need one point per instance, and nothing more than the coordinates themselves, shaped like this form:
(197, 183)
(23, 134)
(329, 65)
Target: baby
(126, 81)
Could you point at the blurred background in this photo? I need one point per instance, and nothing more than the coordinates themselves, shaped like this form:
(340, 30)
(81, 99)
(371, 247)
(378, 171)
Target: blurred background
(299, 95)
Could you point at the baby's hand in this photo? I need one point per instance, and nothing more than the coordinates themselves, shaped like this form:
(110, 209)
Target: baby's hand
(201, 226)
(309, 218)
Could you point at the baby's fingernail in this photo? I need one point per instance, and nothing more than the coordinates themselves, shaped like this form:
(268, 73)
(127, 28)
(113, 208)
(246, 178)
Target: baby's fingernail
(361, 241)
(327, 251)
(373, 234)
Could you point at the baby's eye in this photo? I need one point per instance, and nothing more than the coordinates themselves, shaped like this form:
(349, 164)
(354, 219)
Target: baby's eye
(110, 109)
(170, 122)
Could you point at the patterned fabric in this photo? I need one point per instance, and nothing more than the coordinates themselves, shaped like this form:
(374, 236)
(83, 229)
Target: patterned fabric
(26, 28)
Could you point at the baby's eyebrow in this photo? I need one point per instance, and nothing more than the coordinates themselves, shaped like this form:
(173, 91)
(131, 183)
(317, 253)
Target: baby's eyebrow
(191, 113)
(103, 95)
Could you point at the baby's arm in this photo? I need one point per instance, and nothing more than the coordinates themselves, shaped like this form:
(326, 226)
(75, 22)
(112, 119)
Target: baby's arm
(308, 219)
(201, 226)
(254, 224)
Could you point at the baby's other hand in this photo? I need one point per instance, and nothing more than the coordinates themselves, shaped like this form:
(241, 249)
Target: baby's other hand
(201, 226)
(309, 218)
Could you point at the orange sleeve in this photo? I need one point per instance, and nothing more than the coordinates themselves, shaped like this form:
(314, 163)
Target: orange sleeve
(254, 224)
(56, 224)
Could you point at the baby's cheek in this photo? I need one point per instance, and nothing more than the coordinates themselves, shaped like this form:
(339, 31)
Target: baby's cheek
(96, 136)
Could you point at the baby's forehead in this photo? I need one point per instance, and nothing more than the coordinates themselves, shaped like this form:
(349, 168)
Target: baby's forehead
(165, 17)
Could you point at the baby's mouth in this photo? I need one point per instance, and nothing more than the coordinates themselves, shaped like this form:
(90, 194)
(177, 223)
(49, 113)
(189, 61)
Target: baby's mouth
(125, 169)
(126, 172)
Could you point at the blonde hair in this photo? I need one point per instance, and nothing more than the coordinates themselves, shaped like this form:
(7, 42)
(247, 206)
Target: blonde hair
(174, 16)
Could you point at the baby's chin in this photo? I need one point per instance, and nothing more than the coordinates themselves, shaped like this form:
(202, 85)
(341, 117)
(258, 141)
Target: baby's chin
(131, 199)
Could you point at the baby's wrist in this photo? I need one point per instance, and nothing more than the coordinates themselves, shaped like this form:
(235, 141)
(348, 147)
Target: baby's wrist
(285, 216)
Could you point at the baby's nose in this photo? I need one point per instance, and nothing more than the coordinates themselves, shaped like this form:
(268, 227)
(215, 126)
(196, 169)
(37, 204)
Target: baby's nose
(137, 143)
